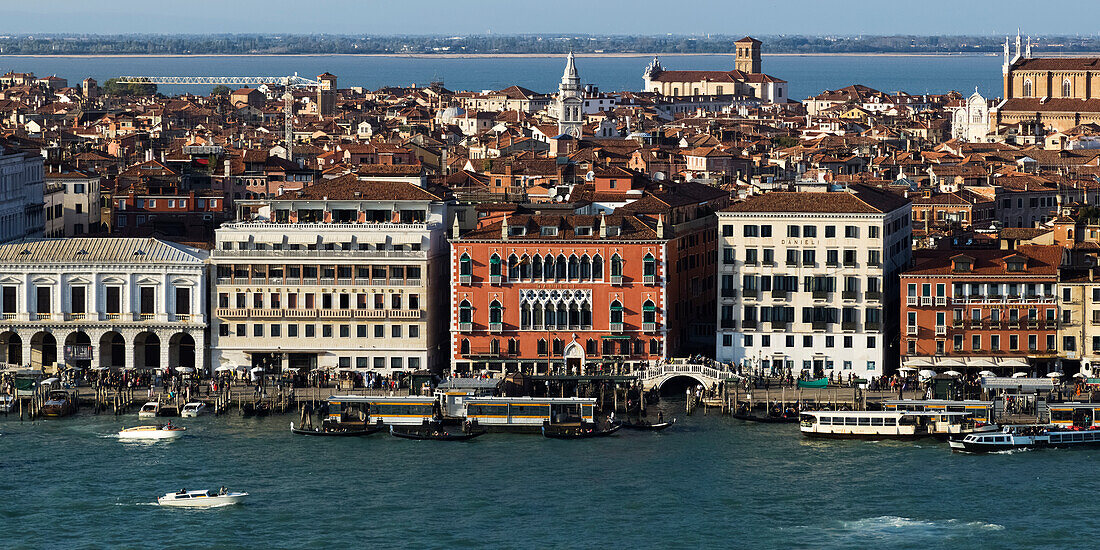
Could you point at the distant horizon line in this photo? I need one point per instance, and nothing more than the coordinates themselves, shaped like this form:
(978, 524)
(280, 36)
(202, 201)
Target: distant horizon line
(706, 36)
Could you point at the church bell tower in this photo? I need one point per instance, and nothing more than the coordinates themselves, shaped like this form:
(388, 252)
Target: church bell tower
(569, 100)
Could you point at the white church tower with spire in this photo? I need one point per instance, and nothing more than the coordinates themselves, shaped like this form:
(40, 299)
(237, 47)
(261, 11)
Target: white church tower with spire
(569, 100)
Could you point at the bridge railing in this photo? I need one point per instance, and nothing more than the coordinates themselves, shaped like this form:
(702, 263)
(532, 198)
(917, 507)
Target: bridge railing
(716, 372)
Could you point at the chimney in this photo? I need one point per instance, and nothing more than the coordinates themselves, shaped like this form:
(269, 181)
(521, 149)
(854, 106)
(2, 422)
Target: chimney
(660, 226)
(504, 229)
(455, 228)
(603, 225)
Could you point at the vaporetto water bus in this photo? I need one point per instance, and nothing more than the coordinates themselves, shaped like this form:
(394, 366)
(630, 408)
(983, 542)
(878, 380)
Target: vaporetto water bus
(529, 414)
(1027, 437)
(403, 410)
(878, 424)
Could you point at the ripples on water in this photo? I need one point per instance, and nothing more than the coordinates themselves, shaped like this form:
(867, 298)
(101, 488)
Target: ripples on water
(707, 481)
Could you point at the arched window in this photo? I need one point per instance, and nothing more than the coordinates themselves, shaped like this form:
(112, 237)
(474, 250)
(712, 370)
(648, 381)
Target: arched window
(513, 346)
(513, 267)
(464, 347)
(649, 266)
(494, 347)
(597, 267)
(654, 347)
(1067, 88)
(548, 267)
(561, 267)
(563, 316)
(1027, 87)
(496, 312)
(465, 265)
(586, 268)
(574, 316)
(639, 347)
(525, 317)
(525, 268)
(591, 348)
(494, 265)
(609, 347)
(550, 316)
(536, 316)
(542, 346)
(649, 312)
(616, 312)
(465, 312)
(558, 346)
(616, 266)
(536, 267)
(586, 316)
(574, 268)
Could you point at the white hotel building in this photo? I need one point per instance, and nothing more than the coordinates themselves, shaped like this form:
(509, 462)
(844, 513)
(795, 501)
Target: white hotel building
(110, 302)
(343, 274)
(21, 194)
(808, 281)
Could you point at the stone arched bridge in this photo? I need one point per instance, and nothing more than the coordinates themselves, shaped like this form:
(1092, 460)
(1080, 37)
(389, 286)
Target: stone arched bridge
(707, 375)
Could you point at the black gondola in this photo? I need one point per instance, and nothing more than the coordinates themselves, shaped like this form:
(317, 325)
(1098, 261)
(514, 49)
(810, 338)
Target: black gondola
(435, 434)
(647, 426)
(574, 431)
(336, 432)
(767, 419)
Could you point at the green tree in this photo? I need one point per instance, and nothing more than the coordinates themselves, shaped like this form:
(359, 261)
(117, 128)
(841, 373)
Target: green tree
(221, 90)
(114, 87)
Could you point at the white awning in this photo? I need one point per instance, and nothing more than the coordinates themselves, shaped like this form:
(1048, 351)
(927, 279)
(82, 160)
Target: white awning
(1012, 362)
(302, 239)
(946, 362)
(917, 362)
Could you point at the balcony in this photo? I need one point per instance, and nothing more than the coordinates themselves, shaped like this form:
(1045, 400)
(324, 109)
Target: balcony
(117, 316)
(650, 327)
(182, 317)
(369, 314)
(266, 313)
(849, 263)
(328, 281)
(819, 325)
(780, 294)
(335, 313)
(751, 294)
(1095, 321)
(617, 279)
(75, 316)
(911, 330)
(792, 264)
(872, 325)
(941, 330)
(405, 313)
(849, 326)
(42, 316)
(729, 323)
(413, 282)
(729, 292)
(617, 328)
(957, 323)
(346, 281)
(494, 279)
(1033, 324)
(496, 327)
(359, 254)
(820, 294)
(10, 316)
(779, 325)
(748, 324)
(832, 263)
(876, 296)
(1013, 324)
(941, 300)
(849, 294)
(909, 300)
(378, 281)
(300, 313)
(975, 324)
(145, 316)
(649, 279)
(465, 327)
(926, 301)
(465, 279)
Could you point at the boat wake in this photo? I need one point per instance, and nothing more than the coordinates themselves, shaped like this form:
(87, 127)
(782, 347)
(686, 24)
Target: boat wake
(894, 525)
(1010, 451)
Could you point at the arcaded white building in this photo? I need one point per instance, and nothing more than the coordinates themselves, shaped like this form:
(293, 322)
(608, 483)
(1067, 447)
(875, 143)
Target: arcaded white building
(21, 194)
(111, 302)
(343, 274)
(808, 281)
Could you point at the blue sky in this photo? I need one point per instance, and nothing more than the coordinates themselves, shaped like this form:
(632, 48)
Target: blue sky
(734, 17)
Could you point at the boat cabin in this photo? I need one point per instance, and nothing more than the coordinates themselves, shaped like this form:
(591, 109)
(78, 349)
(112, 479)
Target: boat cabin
(529, 413)
(454, 393)
(978, 411)
(411, 410)
(1081, 415)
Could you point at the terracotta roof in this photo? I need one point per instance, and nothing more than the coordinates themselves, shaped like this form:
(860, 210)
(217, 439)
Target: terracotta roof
(1041, 260)
(345, 188)
(1058, 104)
(1058, 64)
(862, 199)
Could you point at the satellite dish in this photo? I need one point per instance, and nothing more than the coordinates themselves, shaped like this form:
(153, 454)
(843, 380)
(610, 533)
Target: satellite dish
(559, 198)
(659, 176)
(590, 176)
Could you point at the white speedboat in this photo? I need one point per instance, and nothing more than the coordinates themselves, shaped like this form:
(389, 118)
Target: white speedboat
(150, 409)
(7, 403)
(159, 431)
(193, 409)
(201, 499)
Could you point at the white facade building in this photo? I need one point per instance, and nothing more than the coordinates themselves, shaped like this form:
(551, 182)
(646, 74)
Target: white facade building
(808, 281)
(970, 121)
(21, 194)
(71, 204)
(346, 274)
(110, 302)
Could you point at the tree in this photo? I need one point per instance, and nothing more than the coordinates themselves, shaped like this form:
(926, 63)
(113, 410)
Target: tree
(114, 87)
(221, 90)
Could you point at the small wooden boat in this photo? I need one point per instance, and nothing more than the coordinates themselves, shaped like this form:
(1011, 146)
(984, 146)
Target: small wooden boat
(647, 426)
(158, 431)
(435, 434)
(59, 403)
(336, 432)
(789, 419)
(573, 431)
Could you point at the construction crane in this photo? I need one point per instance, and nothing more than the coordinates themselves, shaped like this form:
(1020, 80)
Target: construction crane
(287, 82)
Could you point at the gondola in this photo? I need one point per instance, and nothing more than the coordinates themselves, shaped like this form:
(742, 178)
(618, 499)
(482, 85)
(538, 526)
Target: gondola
(646, 426)
(435, 435)
(578, 432)
(335, 432)
(790, 419)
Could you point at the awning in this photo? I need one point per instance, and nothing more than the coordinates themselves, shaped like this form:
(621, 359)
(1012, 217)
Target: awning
(302, 239)
(1012, 362)
(951, 362)
(917, 362)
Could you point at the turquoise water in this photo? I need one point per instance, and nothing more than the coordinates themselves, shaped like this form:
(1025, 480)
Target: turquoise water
(807, 75)
(708, 481)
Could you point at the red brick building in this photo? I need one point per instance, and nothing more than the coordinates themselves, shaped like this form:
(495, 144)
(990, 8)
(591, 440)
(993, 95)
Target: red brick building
(982, 309)
(532, 290)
